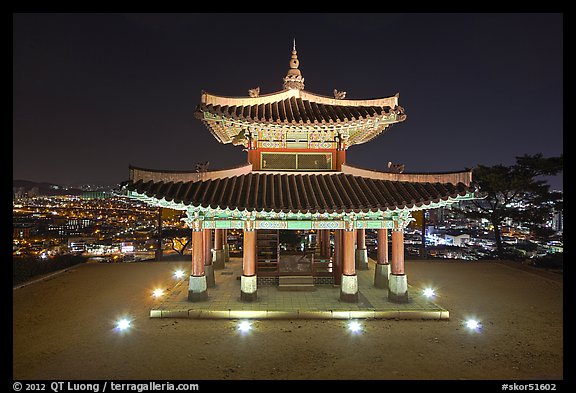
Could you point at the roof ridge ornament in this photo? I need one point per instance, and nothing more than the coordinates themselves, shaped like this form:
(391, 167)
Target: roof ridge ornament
(293, 79)
(339, 95)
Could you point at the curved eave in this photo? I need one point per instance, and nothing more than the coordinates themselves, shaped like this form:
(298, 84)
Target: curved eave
(300, 194)
(464, 176)
(157, 175)
(213, 99)
(214, 210)
(224, 128)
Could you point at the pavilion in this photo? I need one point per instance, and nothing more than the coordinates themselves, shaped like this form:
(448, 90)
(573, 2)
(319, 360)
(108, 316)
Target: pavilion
(297, 178)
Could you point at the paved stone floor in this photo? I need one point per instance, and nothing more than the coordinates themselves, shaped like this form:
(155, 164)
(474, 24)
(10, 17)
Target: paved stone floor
(224, 301)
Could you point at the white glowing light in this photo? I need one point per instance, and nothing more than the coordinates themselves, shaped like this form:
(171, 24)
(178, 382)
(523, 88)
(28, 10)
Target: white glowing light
(244, 326)
(472, 324)
(179, 274)
(429, 292)
(123, 324)
(158, 292)
(355, 326)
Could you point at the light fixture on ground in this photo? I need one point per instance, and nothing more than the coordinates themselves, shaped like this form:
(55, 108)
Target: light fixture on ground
(355, 326)
(244, 326)
(178, 274)
(123, 324)
(157, 292)
(429, 292)
(472, 324)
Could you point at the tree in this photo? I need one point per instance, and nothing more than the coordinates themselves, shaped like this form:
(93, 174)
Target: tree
(516, 192)
(178, 236)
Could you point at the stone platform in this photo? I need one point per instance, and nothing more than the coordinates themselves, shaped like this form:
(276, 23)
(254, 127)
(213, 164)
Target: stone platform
(324, 303)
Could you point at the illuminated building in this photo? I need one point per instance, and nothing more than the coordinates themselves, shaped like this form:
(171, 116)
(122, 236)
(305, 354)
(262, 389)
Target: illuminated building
(297, 179)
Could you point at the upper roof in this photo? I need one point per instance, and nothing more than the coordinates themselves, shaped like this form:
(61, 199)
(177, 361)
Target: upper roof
(358, 120)
(298, 107)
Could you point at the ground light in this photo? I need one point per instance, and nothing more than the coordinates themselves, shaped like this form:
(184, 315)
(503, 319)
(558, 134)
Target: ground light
(123, 324)
(355, 326)
(179, 274)
(429, 292)
(244, 326)
(157, 292)
(472, 324)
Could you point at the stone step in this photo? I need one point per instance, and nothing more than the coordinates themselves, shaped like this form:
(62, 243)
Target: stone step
(292, 280)
(297, 287)
(296, 283)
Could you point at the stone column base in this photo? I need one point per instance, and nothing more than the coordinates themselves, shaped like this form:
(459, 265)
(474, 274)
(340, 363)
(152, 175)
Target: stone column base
(361, 259)
(197, 289)
(209, 274)
(248, 288)
(381, 274)
(349, 289)
(219, 259)
(398, 288)
(226, 253)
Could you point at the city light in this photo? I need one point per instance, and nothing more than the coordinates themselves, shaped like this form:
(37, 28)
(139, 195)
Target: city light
(429, 292)
(472, 324)
(355, 326)
(244, 326)
(178, 274)
(158, 292)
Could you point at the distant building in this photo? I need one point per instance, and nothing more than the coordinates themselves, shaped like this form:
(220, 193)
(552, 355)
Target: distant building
(80, 244)
(96, 194)
(558, 221)
(19, 192)
(22, 230)
(457, 239)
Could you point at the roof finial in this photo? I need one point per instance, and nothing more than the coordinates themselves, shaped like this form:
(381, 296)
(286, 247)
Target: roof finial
(293, 79)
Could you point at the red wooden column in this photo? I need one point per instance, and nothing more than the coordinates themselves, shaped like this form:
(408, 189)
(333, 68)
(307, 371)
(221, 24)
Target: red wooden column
(361, 251)
(219, 255)
(325, 244)
(226, 246)
(337, 260)
(340, 153)
(208, 267)
(397, 281)
(382, 270)
(248, 281)
(197, 284)
(349, 286)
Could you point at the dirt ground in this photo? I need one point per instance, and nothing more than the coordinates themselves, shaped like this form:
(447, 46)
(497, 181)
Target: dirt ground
(63, 329)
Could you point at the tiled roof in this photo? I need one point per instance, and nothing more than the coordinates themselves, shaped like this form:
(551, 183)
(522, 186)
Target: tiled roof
(296, 110)
(312, 193)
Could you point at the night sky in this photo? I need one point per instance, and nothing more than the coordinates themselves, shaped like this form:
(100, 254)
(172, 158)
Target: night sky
(94, 93)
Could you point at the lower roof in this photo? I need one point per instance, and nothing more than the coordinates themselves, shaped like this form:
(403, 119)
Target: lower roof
(304, 193)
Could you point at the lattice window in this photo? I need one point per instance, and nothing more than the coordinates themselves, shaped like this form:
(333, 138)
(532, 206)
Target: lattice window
(314, 161)
(296, 161)
(279, 161)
